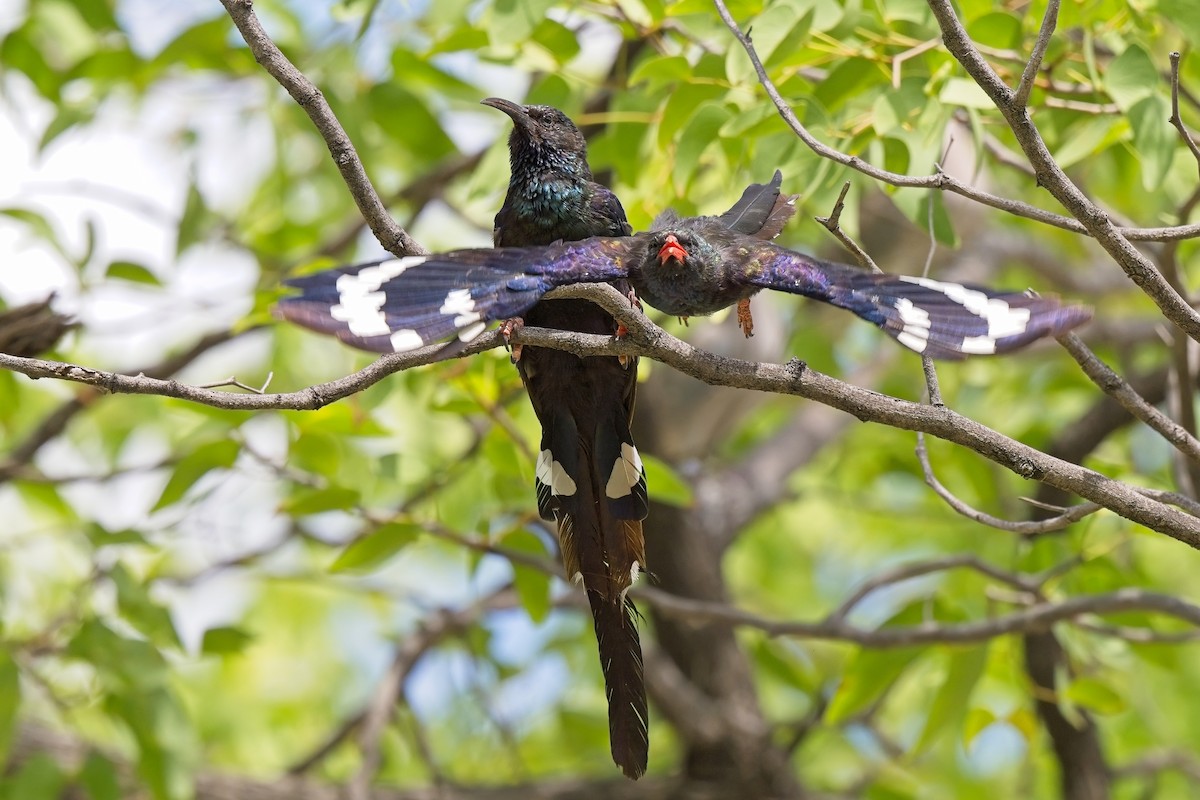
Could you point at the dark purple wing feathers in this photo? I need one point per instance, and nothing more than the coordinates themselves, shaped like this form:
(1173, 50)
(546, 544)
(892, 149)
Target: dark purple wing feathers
(941, 319)
(401, 304)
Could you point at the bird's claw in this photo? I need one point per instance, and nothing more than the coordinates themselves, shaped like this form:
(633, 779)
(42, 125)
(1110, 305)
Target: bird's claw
(684, 320)
(745, 320)
(507, 329)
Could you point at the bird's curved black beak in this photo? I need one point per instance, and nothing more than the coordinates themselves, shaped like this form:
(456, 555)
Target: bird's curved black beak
(514, 110)
(671, 249)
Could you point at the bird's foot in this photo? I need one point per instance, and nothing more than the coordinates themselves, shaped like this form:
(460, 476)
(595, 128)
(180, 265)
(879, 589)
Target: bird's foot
(745, 320)
(507, 329)
(621, 333)
(684, 320)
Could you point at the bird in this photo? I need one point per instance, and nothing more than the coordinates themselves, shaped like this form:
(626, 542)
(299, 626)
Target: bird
(690, 266)
(589, 476)
(584, 405)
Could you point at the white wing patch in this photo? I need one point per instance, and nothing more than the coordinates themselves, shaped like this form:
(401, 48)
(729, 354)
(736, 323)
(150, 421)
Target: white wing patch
(978, 345)
(361, 312)
(551, 473)
(469, 334)
(461, 306)
(360, 301)
(915, 333)
(626, 472)
(406, 339)
(1003, 320)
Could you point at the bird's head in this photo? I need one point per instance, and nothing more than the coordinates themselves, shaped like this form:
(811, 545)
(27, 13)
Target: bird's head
(544, 139)
(674, 249)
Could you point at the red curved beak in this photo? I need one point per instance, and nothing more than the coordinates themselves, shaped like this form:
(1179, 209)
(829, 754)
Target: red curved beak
(671, 249)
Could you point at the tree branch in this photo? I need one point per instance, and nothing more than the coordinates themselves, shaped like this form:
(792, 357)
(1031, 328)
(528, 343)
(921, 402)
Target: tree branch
(1053, 179)
(939, 180)
(647, 339)
(393, 238)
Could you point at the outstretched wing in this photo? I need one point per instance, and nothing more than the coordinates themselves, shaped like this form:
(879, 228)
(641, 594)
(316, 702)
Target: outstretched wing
(937, 318)
(401, 304)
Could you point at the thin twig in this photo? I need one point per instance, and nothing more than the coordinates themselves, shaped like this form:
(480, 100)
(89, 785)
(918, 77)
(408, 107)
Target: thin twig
(832, 223)
(1023, 527)
(1038, 617)
(1050, 176)
(1029, 75)
(1119, 389)
(1175, 119)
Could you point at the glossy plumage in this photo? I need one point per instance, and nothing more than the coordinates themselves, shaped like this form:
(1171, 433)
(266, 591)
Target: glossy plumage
(699, 265)
(589, 476)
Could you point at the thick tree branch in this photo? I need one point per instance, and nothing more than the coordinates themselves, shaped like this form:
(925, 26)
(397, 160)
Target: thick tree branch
(647, 339)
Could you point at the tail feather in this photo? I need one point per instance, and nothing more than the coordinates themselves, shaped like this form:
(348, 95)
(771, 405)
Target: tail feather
(592, 483)
(615, 621)
(762, 210)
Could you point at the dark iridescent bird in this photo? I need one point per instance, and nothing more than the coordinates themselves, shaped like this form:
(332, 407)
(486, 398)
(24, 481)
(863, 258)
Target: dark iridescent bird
(589, 476)
(686, 267)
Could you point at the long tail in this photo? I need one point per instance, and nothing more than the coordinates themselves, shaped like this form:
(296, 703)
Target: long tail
(615, 622)
(594, 486)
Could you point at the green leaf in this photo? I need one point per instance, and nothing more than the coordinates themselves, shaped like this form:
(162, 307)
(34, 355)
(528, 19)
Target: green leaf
(134, 273)
(137, 607)
(964, 670)
(40, 226)
(976, 720)
(1183, 14)
(45, 499)
(99, 778)
(195, 465)
(701, 131)
(1130, 77)
(195, 222)
(376, 547)
(843, 82)
(655, 72)
(866, 679)
(307, 500)
(533, 585)
(163, 736)
(999, 29)
(39, 778)
(682, 105)
(965, 93)
(1153, 138)
(1090, 137)
(225, 641)
(1095, 694)
(10, 701)
(123, 663)
(664, 484)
